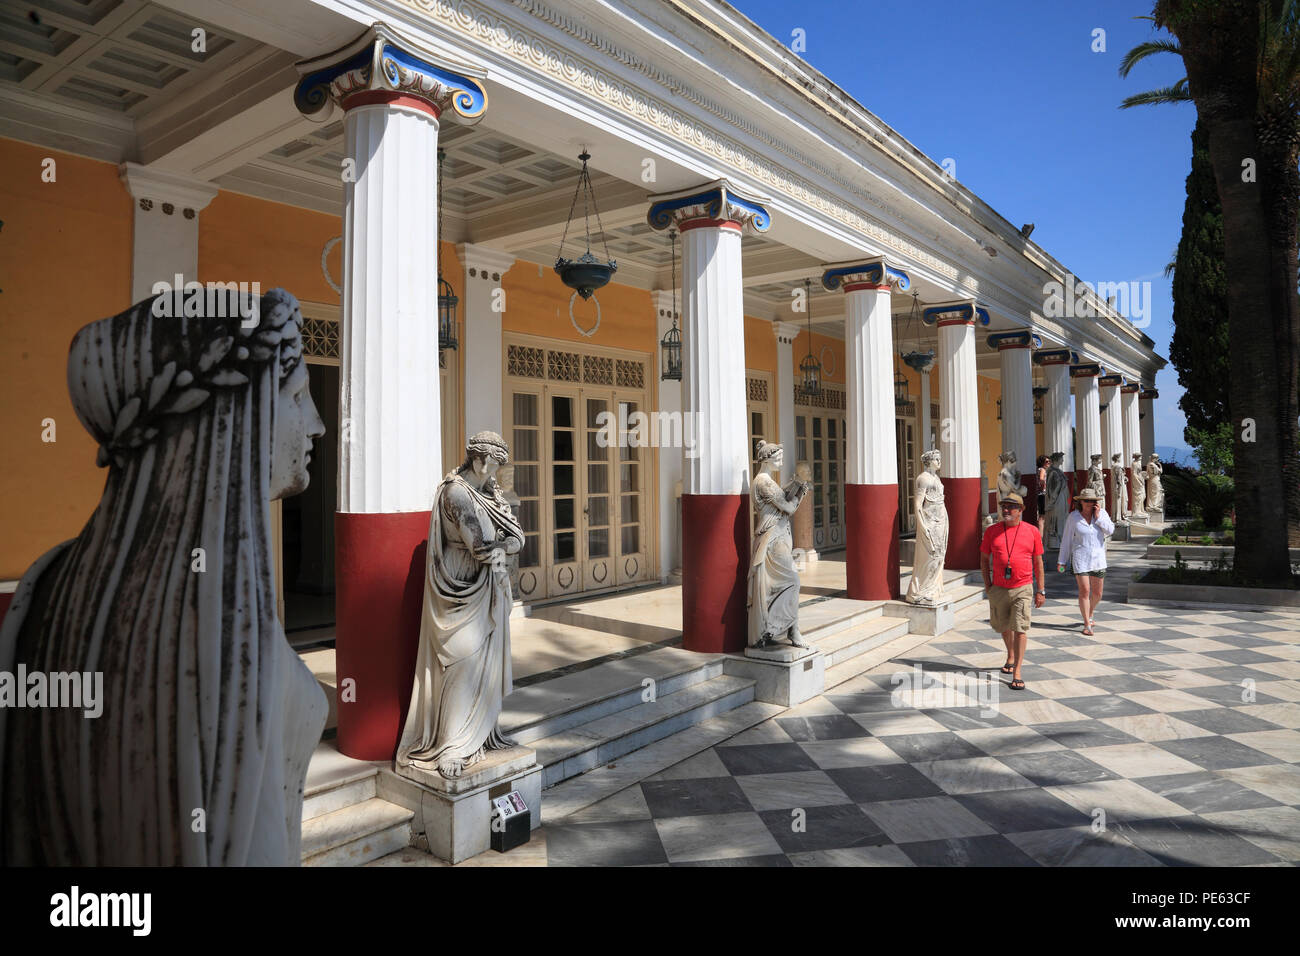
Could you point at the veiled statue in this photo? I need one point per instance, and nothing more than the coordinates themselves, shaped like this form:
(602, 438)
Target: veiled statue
(1057, 500)
(926, 586)
(506, 482)
(462, 670)
(1155, 489)
(773, 605)
(1097, 477)
(1139, 488)
(1119, 486)
(1009, 476)
(208, 717)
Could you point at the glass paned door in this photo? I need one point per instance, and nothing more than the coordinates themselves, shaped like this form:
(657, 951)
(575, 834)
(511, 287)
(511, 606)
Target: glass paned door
(597, 515)
(631, 498)
(905, 435)
(563, 436)
(526, 453)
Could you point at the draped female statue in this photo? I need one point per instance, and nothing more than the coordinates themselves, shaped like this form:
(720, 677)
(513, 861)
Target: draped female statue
(926, 586)
(1119, 487)
(1097, 477)
(462, 670)
(773, 605)
(1139, 488)
(1155, 489)
(1058, 500)
(209, 718)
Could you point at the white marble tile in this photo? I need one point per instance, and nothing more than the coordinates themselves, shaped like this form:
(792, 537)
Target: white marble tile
(1040, 712)
(925, 818)
(849, 752)
(1169, 701)
(1280, 781)
(783, 791)
(1120, 799)
(1275, 830)
(1066, 687)
(1004, 741)
(1181, 679)
(1156, 727)
(853, 856)
(1139, 760)
(1080, 668)
(895, 722)
(715, 836)
(1283, 744)
(972, 775)
(706, 764)
(1285, 715)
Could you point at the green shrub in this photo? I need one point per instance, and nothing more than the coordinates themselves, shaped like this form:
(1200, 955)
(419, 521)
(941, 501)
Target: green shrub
(1164, 539)
(1209, 497)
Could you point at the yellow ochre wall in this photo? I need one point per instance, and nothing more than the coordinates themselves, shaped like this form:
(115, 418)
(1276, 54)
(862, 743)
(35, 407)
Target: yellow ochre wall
(990, 390)
(65, 260)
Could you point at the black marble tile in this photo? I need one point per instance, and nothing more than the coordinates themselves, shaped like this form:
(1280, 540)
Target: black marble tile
(1122, 683)
(864, 702)
(1191, 841)
(1225, 720)
(937, 746)
(765, 758)
(969, 718)
(1240, 656)
(1056, 768)
(1081, 734)
(822, 727)
(631, 843)
(1205, 792)
(968, 851)
(684, 798)
(823, 828)
(1019, 811)
(894, 781)
(1230, 695)
(1105, 705)
(1216, 753)
(775, 859)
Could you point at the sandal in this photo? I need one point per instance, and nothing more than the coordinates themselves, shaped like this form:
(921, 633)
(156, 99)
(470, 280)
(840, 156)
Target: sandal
(1087, 629)
(1007, 669)
(1017, 684)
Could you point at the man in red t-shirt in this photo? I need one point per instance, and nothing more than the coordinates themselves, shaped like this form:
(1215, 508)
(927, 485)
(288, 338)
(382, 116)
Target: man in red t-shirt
(1011, 560)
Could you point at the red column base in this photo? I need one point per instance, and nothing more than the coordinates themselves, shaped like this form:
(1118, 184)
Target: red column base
(871, 530)
(715, 566)
(1128, 476)
(1030, 482)
(379, 562)
(962, 498)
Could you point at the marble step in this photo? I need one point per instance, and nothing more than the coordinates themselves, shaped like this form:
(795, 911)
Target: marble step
(825, 618)
(335, 781)
(543, 710)
(582, 748)
(878, 652)
(579, 792)
(848, 644)
(964, 595)
(356, 834)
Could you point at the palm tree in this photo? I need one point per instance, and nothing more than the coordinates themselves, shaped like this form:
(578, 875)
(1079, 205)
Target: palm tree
(1243, 74)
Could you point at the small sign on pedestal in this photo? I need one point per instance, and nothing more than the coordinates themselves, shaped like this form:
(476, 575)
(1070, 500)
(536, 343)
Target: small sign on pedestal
(511, 822)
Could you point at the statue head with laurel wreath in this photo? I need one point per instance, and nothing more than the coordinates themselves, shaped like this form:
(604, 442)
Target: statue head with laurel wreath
(201, 422)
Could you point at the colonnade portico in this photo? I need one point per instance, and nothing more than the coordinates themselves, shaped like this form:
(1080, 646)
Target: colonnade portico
(393, 92)
(1112, 432)
(716, 470)
(871, 469)
(1128, 396)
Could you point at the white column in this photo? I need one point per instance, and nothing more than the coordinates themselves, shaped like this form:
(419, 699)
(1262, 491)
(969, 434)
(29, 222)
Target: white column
(165, 227)
(959, 431)
(1128, 397)
(1016, 360)
(670, 459)
(1056, 406)
(391, 429)
(1087, 416)
(869, 374)
(483, 307)
(1112, 429)
(785, 333)
(926, 425)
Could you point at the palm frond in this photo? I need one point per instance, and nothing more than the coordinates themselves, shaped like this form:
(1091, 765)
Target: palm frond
(1144, 50)
(1167, 94)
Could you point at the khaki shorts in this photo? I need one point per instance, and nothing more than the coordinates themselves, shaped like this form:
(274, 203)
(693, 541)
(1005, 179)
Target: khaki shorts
(1009, 607)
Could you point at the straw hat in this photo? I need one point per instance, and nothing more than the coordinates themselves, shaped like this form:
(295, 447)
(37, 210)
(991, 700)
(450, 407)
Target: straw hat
(1088, 494)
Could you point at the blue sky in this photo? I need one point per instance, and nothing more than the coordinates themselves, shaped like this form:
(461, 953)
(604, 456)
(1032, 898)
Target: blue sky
(1013, 91)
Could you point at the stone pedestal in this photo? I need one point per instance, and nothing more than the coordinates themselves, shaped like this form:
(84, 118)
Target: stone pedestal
(1155, 516)
(454, 817)
(1121, 531)
(785, 675)
(923, 618)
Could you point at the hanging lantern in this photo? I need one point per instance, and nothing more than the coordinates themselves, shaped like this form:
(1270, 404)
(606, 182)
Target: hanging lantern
(900, 389)
(920, 361)
(810, 370)
(1039, 392)
(671, 345)
(447, 300)
(586, 273)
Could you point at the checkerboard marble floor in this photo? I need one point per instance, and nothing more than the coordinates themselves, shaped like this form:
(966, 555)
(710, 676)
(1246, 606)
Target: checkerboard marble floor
(1171, 737)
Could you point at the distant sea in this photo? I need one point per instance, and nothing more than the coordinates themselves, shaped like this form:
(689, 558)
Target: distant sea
(1179, 453)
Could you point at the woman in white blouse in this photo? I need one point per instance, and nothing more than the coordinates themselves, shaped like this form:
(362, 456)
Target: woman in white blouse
(1083, 546)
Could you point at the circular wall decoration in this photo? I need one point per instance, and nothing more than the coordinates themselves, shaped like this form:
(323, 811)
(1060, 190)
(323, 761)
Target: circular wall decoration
(828, 364)
(324, 268)
(587, 333)
(599, 572)
(565, 577)
(528, 582)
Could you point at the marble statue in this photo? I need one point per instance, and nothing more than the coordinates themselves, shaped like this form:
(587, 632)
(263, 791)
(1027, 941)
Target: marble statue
(926, 586)
(773, 604)
(164, 605)
(1057, 500)
(1119, 487)
(1155, 490)
(1096, 478)
(506, 482)
(1139, 488)
(462, 670)
(1009, 476)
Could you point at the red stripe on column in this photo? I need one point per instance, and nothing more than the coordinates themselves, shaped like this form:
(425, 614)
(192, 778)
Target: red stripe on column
(962, 498)
(715, 564)
(5, 601)
(1030, 482)
(871, 547)
(1128, 474)
(379, 562)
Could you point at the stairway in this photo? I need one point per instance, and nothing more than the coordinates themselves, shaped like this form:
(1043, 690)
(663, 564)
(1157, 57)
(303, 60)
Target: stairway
(344, 823)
